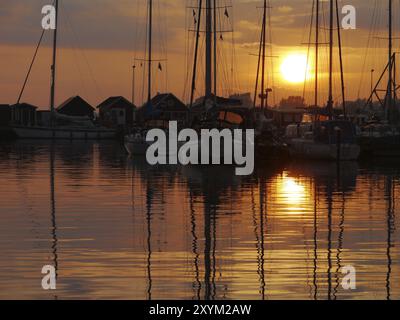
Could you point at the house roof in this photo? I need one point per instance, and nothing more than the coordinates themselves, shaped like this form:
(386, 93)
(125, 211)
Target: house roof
(76, 99)
(24, 105)
(113, 102)
(157, 101)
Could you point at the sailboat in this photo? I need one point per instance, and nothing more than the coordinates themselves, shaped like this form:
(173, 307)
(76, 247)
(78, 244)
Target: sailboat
(269, 143)
(135, 143)
(324, 137)
(381, 138)
(230, 113)
(76, 128)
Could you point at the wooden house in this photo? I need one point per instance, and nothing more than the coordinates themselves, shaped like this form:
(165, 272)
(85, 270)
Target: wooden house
(76, 106)
(166, 107)
(117, 112)
(23, 114)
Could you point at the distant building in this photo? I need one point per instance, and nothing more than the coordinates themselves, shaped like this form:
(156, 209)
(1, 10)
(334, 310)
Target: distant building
(117, 112)
(289, 111)
(165, 106)
(285, 117)
(76, 106)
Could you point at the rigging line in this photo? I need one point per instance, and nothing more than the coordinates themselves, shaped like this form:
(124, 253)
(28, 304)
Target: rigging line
(309, 47)
(234, 55)
(186, 55)
(370, 37)
(341, 60)
(269, 12)
(75, 54)
(258, 67)
(225, 72)
(196, 54)
(145, 54)
(30, 67)
(191, 41)
(164, 43)
(235, 81)
(67, 18)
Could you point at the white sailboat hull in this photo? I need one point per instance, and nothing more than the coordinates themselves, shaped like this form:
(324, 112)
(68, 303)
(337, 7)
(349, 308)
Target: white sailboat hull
(310, 149)
(138, 148)
(63, 133)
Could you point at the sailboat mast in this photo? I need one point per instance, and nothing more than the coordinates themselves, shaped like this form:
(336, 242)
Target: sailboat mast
(215, 49)
(316, 53)
(264, 37)
(196, 53)
(53, 66)
(150, 48)
(330, 98)
(341, 61)
(390, 93)
(208, 49)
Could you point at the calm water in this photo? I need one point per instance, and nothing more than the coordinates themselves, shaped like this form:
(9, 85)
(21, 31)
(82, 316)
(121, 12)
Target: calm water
(117, 228)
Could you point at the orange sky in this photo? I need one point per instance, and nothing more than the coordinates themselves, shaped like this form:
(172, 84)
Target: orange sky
(99, 40)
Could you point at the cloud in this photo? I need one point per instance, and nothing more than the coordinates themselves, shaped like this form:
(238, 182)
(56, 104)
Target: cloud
(285, 9)
(112, 32)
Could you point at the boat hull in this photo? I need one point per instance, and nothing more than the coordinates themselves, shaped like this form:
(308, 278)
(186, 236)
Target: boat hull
(136, 148)
(309, 149)
(63, 133)
(380, 147)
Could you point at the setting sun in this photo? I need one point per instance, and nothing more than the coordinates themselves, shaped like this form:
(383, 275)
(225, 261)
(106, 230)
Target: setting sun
(294, 68)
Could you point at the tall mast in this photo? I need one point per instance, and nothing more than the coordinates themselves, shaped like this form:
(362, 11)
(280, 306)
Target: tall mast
(150, 48)
(208, 49)
(196, 53)
(330, 98)
(264, 37)
(316, 53)
(215, 49)
(341, 61)
(390, 93)
(53, 66)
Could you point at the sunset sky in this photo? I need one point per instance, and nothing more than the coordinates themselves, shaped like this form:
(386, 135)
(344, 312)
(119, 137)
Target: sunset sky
(99, 40)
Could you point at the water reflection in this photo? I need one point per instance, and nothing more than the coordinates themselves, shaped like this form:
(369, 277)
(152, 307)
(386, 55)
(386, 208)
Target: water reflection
(123, 229)
(53, 209)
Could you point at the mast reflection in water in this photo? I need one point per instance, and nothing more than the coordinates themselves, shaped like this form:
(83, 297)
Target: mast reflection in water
(121, 229)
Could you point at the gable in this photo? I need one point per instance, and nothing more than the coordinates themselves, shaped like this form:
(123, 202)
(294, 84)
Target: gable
(116, 102)
(169, 102)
